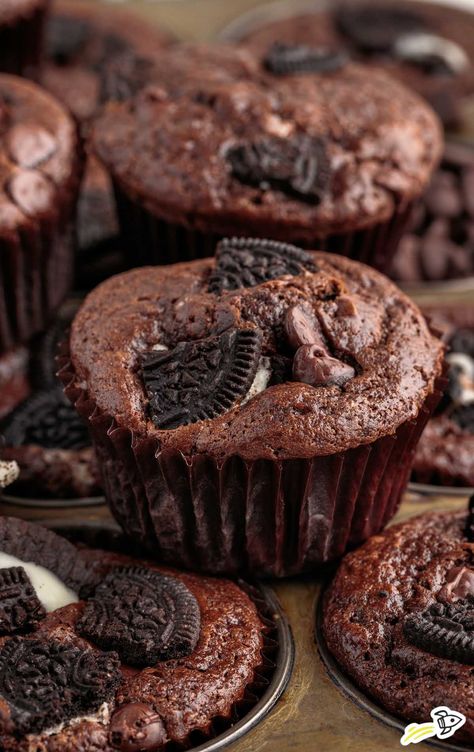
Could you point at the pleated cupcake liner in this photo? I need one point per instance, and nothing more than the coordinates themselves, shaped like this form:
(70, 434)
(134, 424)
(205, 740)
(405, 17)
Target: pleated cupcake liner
(149, 239)
(260, 517)
(21, 44)
(36, 267)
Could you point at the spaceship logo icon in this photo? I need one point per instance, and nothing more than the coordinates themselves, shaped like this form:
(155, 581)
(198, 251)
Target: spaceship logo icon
(445, 723)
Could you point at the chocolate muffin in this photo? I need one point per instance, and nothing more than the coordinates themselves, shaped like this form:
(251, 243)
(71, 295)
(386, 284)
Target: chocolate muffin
(445, 453)
(21, 36)
(398, 617)
(440, 243)
(323, 153)
(428, 47)
(130, 656)
(14, 381)
(39, 181)
(254, 412)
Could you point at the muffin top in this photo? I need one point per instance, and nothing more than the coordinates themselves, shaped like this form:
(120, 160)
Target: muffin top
(266, 351)
(428, 47)
(38, 153)
(11, 10)
(399, 617)
(317, 146)
(130, 655)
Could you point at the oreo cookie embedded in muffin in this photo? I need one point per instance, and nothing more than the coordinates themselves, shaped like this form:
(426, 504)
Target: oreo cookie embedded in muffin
(399, 618)
(41, 172)
(293, 145)
(121, 654)
(21, 36)
(428, 47)
(264, 389)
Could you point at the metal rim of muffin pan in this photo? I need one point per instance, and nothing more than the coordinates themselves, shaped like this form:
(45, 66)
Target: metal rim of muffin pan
(426, 489)
(103, 532)
(350, 690)
(26, 501)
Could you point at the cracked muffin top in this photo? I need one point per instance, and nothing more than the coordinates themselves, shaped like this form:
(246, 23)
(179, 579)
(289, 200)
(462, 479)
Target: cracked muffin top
(266, 351)
(38, 153)
(13, 10)
(399, 617)
(221, 135)
(101, 651)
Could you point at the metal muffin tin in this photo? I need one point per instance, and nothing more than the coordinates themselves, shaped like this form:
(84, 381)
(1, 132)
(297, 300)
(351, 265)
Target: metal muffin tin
(425, 489)
(25, 501)
(356, 695)
(108, 535)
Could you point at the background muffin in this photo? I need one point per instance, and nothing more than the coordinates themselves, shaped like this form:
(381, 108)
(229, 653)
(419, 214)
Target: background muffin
(257, 412)
(21, 36)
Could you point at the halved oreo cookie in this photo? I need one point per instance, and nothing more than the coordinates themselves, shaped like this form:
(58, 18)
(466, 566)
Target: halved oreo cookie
(247, 262)
(46, 419)
(202, 379)
(298, 166)
(375, 28)
(143, 615)
(444, 630)
(291, 59)
(20, 607)
(45, 683)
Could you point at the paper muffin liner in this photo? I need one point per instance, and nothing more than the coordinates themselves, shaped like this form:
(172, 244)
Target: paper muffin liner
(149, 239)
(36, 267)
(21, 43)
(263, 517)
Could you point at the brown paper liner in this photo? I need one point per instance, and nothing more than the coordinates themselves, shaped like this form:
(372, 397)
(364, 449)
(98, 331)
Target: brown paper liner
(21, 43)
(36, 267)
(148, 239)
(264, 517)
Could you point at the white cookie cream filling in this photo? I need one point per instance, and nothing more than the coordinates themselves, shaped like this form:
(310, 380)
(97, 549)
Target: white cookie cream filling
(465, 366)
(260, 382)
(51, 592)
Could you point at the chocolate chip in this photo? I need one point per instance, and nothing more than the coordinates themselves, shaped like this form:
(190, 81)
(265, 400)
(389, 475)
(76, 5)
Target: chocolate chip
(31, 191)
(136, 728)
(46, 683)
(30, 144)
(373, 28)
(462, 341)
(20, 607)
(298, 166)
(444, 630)
(292, 59)
(463, 415)
(314, 366)
(247, 262)
(469, 528)
(65, 38)
(303, 328)
(47, 419)
(202, 379)
(459, 584)
(143, 615)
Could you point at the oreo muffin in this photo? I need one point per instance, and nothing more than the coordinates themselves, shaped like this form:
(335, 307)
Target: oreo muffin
(130, 656)
(398, 617)
(255, 412)
(445, 454)
(39, 181)
(44, 434)
(440, 243)
(428, 47)
(317, 151)
(21, 36)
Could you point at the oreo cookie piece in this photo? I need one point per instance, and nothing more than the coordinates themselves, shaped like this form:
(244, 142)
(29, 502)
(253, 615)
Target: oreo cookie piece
(444, 630)
(463, 415)
(291, 59)
(20, 607)
(374, 28)
(247, 262)
(46, 683)
(202, 379)
(298, 166)
(48, 420)
(143, 615)
(463, 342)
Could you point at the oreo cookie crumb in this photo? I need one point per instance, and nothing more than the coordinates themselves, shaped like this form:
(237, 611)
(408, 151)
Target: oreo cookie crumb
(20, 607)
(292, 59)
(444, 630)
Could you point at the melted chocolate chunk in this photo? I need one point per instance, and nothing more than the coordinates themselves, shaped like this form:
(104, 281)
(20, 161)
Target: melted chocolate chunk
(49, 420)
(46, 683)
(459, 584)
(469, 529)
(66, 38)
(463, 342)
(289, 59)
(202, 379)
(374, 28)
(444, 630)
(303, 328)
(247, 262)
(20, 607)
(136, 728)
(298, 166)
(314, 366)
(463, 415)
(143, 615)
